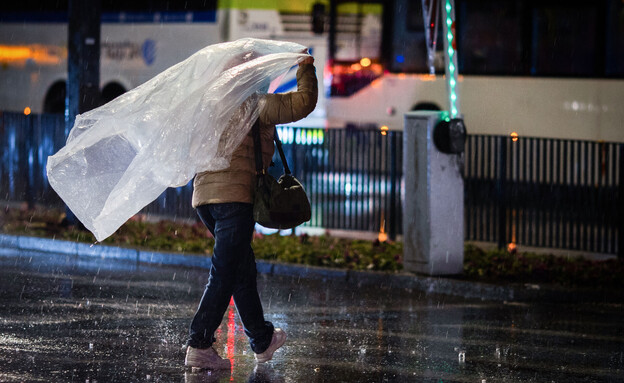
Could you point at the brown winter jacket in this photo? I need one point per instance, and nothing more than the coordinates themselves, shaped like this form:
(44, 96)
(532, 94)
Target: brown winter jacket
(236, 183)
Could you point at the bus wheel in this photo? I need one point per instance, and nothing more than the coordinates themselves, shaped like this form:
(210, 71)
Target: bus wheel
(425, 106)
(54, 101)
(111, 91)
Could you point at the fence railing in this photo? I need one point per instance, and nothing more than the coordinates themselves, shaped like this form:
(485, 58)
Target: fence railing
(545, 192)
(353, 177)
(531, 191)
(25, 144)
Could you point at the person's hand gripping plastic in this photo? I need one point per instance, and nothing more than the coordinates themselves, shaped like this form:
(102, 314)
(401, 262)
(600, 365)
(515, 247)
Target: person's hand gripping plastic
(307, 60)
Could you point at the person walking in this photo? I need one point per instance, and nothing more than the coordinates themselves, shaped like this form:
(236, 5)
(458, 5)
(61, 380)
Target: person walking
(224, 202)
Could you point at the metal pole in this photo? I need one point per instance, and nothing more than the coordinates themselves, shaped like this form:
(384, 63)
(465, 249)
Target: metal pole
(333, 20)
(83, 60)
(500, 191)
(431, 17)
(29, 165)
(83, 63)
(392, 212)
(621, 208)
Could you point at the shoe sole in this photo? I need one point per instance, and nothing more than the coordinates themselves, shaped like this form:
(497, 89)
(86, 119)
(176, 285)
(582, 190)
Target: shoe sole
(264, 360)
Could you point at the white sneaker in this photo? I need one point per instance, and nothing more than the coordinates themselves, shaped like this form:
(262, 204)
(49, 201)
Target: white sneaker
(278, 340)
(205, 358)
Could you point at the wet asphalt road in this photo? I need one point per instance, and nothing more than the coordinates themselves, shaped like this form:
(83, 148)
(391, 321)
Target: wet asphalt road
(81, 320)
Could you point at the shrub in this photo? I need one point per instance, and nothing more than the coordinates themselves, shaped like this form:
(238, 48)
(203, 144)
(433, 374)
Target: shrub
(498, 266)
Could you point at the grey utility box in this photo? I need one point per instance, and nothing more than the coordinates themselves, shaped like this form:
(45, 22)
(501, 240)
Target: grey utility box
(433, 210)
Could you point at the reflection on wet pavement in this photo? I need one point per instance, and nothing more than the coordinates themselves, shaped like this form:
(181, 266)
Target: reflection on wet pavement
(64, 319)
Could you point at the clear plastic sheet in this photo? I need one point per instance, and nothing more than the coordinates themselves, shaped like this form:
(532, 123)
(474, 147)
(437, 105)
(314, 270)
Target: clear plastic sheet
(190, 118)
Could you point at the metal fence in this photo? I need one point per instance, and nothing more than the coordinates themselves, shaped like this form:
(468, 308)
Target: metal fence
(537, 192)
(545, 192)
(353, 177)
(25, 144)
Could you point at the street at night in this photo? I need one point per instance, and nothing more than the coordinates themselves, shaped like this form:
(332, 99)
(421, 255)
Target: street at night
(444, 201)
(67, 319)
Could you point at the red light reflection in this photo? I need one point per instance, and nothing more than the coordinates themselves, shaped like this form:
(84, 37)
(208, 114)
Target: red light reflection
(231, 325)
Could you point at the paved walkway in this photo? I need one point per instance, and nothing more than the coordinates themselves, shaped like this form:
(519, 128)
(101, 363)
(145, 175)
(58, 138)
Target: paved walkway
(430, 285)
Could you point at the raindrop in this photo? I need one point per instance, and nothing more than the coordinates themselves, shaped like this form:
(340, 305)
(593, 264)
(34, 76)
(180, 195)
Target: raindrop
(462, 356)
(90, 346)
(362, 350)
(148, 377)
(498, 353)
(174, 275)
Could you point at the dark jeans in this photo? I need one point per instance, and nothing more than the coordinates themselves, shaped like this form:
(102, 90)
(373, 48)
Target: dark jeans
(233, 273)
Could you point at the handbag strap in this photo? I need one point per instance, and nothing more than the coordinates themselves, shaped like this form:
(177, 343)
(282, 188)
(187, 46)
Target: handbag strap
(278, 143)
(255, 130)
(258, 149)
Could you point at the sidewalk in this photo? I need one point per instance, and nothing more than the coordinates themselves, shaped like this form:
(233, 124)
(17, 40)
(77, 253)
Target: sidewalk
(401, 280)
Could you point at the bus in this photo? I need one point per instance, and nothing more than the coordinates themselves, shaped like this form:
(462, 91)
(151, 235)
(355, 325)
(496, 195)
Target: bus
(139, 39)
(548, 68)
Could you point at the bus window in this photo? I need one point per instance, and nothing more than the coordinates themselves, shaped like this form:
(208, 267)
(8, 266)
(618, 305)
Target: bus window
(33, 6)
(615, 40)
(565, 40)
(408, 50)
(112, 5)
(158, 5)
(357, 42)
(490, 37)
(414, 17)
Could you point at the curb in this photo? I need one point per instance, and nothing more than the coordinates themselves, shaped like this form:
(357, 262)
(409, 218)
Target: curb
(403, 280)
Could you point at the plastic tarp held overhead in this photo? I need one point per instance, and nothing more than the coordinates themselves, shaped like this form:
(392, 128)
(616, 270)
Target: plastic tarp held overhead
(188, 119)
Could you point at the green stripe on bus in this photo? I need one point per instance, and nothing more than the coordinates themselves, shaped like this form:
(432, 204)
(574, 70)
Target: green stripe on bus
(300, 6)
